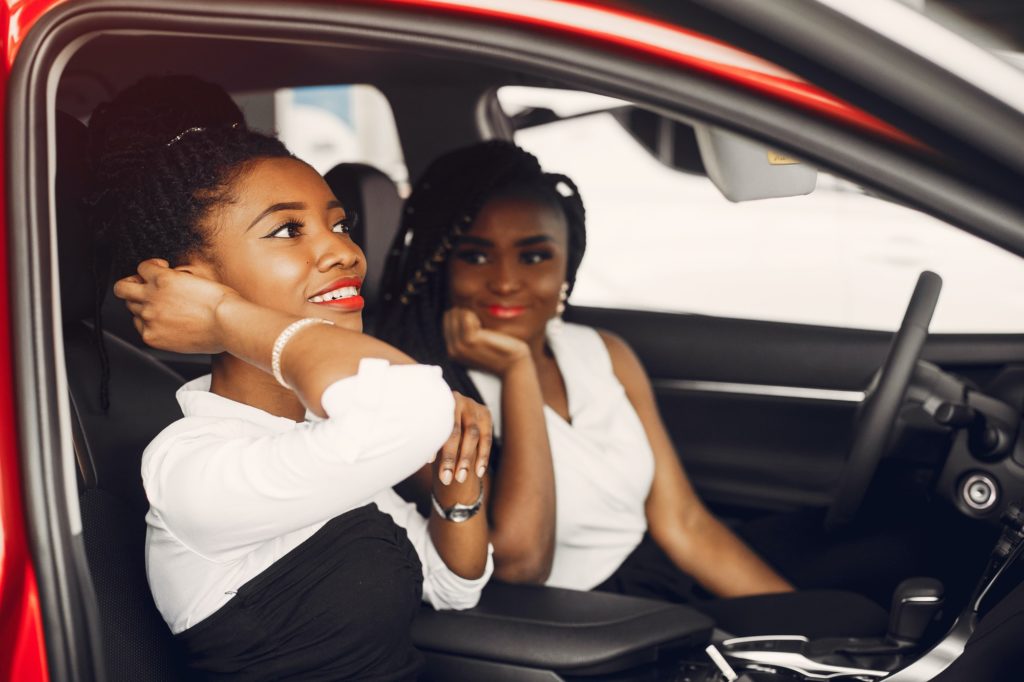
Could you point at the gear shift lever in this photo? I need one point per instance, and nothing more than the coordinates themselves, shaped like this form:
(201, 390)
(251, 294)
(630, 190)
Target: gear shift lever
(915, 603)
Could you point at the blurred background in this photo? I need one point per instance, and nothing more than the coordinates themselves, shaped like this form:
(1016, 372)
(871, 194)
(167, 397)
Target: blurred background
(838, 256)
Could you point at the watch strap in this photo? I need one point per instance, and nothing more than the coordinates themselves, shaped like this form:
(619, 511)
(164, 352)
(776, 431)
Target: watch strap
(459, 513)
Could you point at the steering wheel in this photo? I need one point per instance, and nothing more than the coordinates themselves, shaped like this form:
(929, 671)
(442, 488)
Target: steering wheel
(882, 401)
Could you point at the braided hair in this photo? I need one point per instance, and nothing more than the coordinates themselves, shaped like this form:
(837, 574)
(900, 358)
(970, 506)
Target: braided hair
(162, 154)
(443, 205)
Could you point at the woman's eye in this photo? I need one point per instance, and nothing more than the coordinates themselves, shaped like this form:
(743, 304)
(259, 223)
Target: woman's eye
(472, 257)
(289, 230)
(534, 257)
(346, 224)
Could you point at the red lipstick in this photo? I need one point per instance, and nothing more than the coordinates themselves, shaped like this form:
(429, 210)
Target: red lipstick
(505, 312)
(347, 303)
(344, 282)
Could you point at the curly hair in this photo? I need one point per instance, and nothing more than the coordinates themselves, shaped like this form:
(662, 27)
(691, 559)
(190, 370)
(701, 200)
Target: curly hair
(162, 154)
(443, 205)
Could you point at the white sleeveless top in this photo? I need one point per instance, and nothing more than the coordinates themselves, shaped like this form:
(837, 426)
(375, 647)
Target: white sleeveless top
(603, 462)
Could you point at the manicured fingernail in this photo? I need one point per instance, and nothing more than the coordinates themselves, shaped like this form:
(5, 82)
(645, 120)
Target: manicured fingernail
(461, 476)
(446, 476)
(480, 471)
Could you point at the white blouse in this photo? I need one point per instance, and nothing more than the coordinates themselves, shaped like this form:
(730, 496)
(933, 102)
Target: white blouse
(232, 488)
(603, 463)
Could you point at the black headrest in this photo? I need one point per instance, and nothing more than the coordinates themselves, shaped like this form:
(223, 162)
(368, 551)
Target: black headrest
(373, 195)
(74, 240)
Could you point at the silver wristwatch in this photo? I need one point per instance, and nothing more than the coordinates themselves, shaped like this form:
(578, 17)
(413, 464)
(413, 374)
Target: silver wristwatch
(457, 513)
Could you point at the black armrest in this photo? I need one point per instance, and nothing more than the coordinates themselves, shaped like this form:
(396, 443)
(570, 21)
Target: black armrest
(560, 630)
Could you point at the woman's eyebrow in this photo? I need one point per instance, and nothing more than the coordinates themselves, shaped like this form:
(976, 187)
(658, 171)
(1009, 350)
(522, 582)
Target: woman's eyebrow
(537, 239)
(287, 206)
(478, 241)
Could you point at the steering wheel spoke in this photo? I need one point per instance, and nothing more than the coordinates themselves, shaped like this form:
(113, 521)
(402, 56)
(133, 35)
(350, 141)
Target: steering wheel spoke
(883, 400)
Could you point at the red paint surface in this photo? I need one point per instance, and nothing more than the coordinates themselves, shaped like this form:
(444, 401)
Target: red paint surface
(24, 13)
(22, 648)
(794, 92)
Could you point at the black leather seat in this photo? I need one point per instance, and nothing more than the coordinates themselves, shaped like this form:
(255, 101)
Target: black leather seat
(374, 197)
(137, 645)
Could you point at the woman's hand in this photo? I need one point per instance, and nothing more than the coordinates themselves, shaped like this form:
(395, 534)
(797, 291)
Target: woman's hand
(472, 345)
(174, 309)
(468, 448)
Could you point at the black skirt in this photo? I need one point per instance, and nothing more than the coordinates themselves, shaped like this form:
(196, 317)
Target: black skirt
(649, 572)
(337, 607)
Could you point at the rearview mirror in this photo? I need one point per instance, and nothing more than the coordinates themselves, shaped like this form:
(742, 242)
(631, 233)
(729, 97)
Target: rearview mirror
(741, 169)
(744, 170)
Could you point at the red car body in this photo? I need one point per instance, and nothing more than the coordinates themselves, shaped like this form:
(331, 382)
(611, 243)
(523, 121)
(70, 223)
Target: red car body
(23, 653)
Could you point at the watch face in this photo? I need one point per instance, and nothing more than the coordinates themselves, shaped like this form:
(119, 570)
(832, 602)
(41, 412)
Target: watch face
(459, 515)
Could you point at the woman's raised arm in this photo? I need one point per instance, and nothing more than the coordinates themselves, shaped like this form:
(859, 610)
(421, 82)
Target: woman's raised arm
(177, 310)
(523, 495)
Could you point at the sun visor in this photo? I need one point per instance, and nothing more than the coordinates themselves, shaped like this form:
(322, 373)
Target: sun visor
(744, 170)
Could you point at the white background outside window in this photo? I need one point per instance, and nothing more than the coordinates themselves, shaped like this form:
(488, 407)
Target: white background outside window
(660, 239)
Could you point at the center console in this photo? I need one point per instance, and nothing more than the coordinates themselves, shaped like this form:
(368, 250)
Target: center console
(896, 658)
(531, 633)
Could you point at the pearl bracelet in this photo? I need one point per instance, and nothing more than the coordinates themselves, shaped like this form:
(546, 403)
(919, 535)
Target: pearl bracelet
(282, 340)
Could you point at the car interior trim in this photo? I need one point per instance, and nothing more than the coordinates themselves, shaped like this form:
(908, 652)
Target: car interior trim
(764, 390)
(914, 31)
(940, 656)
(983, 128)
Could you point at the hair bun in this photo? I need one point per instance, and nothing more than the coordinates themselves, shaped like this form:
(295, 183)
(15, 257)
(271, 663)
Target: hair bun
(144, 117)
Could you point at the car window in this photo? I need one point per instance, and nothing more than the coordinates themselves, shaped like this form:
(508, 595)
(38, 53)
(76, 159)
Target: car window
(328, 125)
(662, 239)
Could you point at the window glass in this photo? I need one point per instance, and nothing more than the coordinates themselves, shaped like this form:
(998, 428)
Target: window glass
(335, 124)
(666, 240)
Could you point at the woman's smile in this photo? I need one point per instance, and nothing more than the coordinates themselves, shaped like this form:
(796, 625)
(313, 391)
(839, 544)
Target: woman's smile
(342, 294)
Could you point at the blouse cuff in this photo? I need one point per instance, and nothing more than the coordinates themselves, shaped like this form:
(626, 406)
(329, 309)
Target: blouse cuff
(444, 589)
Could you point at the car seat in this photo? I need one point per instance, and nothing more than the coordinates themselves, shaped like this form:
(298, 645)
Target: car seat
(137, 644)
(373, 196)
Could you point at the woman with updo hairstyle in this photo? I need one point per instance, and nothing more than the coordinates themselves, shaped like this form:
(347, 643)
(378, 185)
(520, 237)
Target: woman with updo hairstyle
(587, 491)
(276, 548)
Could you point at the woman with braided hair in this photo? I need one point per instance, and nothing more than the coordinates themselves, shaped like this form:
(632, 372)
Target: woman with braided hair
(493, 248)
(276, 548)
(588, 491)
